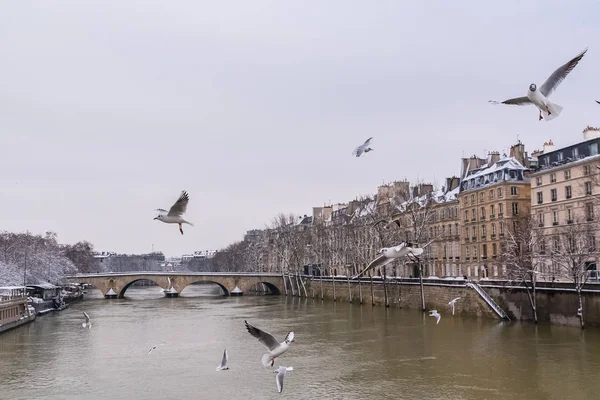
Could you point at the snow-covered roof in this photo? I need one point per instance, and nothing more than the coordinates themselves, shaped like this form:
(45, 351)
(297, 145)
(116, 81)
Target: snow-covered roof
(11, 287)
(506, 169)
(441, 197)
(43, 286)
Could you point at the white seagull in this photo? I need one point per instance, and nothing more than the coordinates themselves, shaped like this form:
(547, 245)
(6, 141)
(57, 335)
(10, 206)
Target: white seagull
(363, 148)
(87, 323)
(539, 98)
(175, 214)
(280, 375)
(153, 348)
(452, 302)
(266, 339)
(223, 362)
(389, 254)
(434, 313)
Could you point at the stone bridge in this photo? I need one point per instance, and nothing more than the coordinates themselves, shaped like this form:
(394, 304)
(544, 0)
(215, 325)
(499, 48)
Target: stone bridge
(120, 282)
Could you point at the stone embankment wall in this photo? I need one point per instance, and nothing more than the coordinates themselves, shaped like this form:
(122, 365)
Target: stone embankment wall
(557, 303)
(405, 295)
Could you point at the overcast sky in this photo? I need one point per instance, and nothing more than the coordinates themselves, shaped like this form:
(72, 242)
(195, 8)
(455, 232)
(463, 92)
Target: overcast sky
(108, 109)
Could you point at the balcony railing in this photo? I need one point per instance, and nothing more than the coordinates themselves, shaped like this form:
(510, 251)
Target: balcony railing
(500, 215)
(493, 236)
(492, 216)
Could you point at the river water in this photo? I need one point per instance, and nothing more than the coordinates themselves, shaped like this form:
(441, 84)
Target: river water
(342, 351)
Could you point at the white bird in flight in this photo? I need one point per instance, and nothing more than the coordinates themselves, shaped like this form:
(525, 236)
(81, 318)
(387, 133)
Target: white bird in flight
(539, 98)
(223, 362)
(597, 101)
(363, 148)
(281, 371)
(175, 214)
(266, 339)
(434, 313)
(452, 302)
(87, 323)
(389, 254)
(153, 348)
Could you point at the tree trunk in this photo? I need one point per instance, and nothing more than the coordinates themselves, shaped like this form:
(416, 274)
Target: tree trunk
(580, 307)
(421, 284)
(333, 280)
(385, 293)
(291, 284)
(303, 287)
(534, 302)
(321, 285)
(349, 290)
(284, 283)
(360, 291)
(372, 297)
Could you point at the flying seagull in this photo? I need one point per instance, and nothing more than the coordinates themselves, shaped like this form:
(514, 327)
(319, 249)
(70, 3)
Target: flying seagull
(452, 302)
(597, 101)
(281, 371)
(87, 323)
(153, 348)
(434, 313)
(539, 98)
(223, 362)
(363, 148)
(389, 254)
(266, 339)
(175, 214)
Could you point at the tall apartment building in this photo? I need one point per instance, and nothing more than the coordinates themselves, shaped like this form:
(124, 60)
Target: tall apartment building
(564, 187)
(491, 197)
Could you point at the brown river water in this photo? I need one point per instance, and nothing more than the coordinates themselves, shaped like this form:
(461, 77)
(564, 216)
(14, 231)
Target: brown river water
(342, 351)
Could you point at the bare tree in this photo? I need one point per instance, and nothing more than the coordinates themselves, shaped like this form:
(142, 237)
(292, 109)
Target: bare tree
(520, 253)
(573, 251)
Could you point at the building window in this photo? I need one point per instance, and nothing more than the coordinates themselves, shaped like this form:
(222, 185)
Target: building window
(481, 197)
(515, 208)
(483, 232)
(552, 178)
(475, 252)
(553, 195)
(513, 190)
(541, 219)
(500, 209)
(491, 194)
(560, 156)
(556, 243)
(575, 153)
(569, 215)
(482, 212)
(484, 251)
(493, 229)
(555, 217)
(589, 211)
(468, 253)
(542, 245)
(499, 192)
(472, 199)
(588, 188)
(501, 228)
(492, 213)
(540, 197)
(546, 161)
(568, 192)
(567, 174)
(467, 233)
(473, 215)
(466, 215)
(586, 170)
(494, 249)
(593, 148)
(538, 181)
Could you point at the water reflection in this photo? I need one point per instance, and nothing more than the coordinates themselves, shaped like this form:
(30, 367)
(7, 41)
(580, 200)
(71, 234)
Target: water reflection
(342, 351)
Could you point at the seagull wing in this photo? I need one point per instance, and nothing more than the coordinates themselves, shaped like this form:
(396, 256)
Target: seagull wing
(266, 339)
(180, 206)
(378, 262)
(279, 379)
(87, 317)
(224, 360)
(559, 75)
(367, 141)
(358, 151)
(597, 101)
(517, 101)
(454, 300)
(161, 211)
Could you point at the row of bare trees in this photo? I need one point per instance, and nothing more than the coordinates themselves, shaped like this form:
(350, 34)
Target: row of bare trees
(27, 258)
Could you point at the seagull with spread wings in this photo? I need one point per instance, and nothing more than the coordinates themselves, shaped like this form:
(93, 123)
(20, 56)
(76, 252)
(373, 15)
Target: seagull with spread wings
(175, 214)
(452, 303)
(223, 365)
(87, 323)
(539, 98)
(281, 371)
(266, 339)
(389, 254)
(363, 148)
(436, 314)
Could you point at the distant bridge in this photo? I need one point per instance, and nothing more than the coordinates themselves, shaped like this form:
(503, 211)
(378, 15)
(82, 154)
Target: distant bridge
(121, 281)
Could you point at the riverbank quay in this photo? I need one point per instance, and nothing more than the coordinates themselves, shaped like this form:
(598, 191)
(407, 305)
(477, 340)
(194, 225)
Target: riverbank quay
(14, 310)
(557, 302)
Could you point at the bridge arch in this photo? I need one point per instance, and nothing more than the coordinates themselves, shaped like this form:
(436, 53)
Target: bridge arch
(127, 285)
(273, 289)
(207, 281)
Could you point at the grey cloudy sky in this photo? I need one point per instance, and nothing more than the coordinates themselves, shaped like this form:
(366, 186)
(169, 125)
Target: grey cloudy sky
(108, 109)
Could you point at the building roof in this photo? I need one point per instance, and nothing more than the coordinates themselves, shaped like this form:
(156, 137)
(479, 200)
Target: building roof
(43, 286)
(505, 170)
